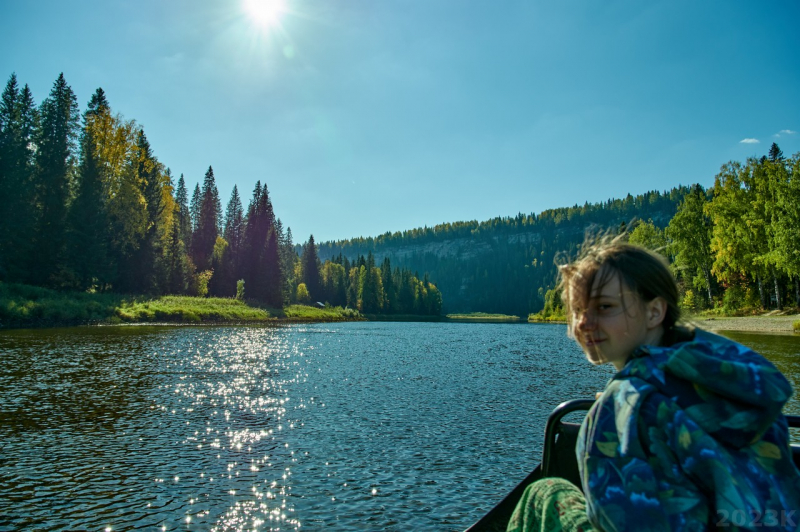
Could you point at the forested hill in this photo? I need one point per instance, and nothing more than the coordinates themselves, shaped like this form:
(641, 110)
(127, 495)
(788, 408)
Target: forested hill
(506, 264)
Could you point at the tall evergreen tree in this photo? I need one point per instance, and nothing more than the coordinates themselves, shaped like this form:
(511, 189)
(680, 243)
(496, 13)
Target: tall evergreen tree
(151, 181)
(234, 228)
(289, 259)
(54, 162)
(183, 215)
(194, 207)
(389, 293)
(311, 265)
(205, 234)
(87, 226)
(260, 258)
(17, 127)
(176, 262)
(227, 250)
(775, 153)
(272, 270)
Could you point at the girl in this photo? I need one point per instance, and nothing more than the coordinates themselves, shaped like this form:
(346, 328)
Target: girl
(688, 435)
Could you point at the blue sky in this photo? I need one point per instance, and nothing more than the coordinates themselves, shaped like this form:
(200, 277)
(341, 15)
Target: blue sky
(367, 116)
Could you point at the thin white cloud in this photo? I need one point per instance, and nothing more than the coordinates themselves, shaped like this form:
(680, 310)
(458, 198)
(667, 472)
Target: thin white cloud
(749, 141)
(785, 132)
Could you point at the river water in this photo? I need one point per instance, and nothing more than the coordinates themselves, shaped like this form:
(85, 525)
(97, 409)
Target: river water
(354, 426)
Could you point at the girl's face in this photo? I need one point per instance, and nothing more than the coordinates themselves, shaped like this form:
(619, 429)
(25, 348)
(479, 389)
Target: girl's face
(616, 321)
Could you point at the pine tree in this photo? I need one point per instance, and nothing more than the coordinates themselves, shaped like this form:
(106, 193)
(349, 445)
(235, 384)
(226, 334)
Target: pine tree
(272, 270)
(54, 162)
(775, 153)
(87, 229)
(310, 262)
(234, 233)
(261, 266)
(194, 208)
(289, 260)
(183, 215)
(143, 277)
(205, 234)
(175, 258)
(17, 126)
(389, 293)
(226, 264)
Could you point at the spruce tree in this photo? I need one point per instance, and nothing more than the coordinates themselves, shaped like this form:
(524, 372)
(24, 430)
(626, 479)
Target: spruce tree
(176, 261)
(389, 294)
(288, 260)
(205, 235)
(310, 262)
(194, 208)
(183, 215)
(234, 229)
(260, 256)
(54, 161)
(775, 153)
(87, 249)
(273, 295)
(149, 250)
(17, 126)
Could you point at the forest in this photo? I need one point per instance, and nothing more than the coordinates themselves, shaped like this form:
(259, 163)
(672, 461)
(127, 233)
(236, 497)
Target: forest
(88, 207)
(733, 247)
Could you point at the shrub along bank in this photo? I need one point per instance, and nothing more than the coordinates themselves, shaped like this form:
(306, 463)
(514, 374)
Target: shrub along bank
(30, 306)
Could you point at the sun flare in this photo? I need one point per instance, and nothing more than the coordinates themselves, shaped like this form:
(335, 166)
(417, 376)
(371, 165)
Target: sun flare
(265, 13)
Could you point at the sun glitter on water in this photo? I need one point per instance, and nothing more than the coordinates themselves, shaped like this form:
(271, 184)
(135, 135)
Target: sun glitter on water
(265, 13)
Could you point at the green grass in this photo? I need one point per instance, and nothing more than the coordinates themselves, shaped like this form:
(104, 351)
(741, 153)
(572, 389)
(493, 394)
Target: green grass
(482, 316)
(30, 304)
(559, 318)
(192, 310)
(23, 305)
(306, 313)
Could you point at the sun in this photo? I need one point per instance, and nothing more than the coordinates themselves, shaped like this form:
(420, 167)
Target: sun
(265, 13)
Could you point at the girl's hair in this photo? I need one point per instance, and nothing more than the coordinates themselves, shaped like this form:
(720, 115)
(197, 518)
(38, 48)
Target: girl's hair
(640, 270)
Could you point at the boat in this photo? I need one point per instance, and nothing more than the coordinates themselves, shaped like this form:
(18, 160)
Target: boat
(558, 460)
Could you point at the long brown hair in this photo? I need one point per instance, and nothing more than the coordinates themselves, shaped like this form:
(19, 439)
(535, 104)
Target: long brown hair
(640, 270)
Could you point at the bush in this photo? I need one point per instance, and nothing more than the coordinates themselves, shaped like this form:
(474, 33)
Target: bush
(303, 296)
(735, 298)
(240, 289)
(689, 301)
(796, 326)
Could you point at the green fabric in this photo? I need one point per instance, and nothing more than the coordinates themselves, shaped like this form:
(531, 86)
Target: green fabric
(550, 505)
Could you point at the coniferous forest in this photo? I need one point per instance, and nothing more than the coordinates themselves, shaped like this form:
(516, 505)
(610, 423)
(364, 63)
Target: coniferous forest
(733, 247)
(87, 206)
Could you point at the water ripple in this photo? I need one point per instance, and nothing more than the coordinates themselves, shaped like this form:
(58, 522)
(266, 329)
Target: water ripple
(384, 426)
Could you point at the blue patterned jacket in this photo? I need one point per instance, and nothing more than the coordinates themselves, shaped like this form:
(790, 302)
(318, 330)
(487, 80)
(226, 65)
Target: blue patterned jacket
(691, 437)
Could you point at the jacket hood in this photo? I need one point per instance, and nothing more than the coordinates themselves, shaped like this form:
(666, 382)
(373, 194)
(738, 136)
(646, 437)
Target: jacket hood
(733, 393)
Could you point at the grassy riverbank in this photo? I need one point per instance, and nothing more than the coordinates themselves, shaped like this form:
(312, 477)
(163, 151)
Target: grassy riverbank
(30, 306)
(482, 316)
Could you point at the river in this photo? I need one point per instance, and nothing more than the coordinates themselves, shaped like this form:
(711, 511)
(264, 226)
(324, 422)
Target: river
(353, 426)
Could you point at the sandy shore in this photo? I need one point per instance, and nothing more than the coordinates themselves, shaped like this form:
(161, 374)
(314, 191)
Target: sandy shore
(765, 323)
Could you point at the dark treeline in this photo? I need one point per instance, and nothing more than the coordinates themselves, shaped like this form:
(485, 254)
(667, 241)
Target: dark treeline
(504, 265)
(374, 289)
(86, 205)
(735, 245)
